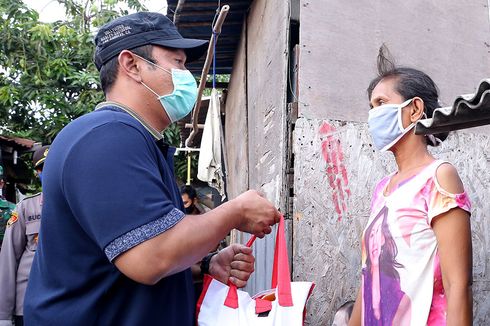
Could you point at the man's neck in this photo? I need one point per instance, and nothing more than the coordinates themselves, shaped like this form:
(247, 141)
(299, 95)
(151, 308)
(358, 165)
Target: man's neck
(145, 109)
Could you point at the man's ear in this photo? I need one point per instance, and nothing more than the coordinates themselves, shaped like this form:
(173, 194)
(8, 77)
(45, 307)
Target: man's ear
(417, 109)
(129, 66)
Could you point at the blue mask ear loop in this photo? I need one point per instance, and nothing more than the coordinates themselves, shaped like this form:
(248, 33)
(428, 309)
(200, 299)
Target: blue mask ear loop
(215, 36)
(214, 58)
(161, 68)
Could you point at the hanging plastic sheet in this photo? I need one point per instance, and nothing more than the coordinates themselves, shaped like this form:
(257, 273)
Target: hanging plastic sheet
(210, 167)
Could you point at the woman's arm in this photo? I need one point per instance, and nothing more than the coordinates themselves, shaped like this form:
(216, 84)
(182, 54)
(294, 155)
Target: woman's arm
(355, 318)
(453, 233)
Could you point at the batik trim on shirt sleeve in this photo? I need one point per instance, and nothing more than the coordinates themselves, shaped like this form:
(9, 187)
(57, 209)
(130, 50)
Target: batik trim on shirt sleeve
(142, 234)
(442, 201)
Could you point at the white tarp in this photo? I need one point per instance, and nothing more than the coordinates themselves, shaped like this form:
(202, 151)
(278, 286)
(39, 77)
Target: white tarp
(210, 169)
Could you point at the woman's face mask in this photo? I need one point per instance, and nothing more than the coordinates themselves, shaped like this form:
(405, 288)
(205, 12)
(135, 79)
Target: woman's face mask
(180, 102)
(385, 125)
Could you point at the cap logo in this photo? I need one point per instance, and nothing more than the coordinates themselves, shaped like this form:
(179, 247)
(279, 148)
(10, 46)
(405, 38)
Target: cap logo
(114, 33)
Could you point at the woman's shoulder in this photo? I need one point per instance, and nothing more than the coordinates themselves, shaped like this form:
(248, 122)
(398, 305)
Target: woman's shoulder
(447, 178)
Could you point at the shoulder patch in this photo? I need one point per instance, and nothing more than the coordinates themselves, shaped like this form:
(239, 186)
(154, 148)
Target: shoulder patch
(13, 218)
(32, 196)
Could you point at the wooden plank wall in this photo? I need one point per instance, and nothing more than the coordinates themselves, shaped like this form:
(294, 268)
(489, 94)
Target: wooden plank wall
(236, 127)
(267, 40)
(260, 65)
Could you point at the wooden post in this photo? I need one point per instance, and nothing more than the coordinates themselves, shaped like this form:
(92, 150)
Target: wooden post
(205, 70)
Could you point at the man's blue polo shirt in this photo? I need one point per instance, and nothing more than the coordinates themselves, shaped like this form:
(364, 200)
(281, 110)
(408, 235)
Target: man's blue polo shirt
(108, 186)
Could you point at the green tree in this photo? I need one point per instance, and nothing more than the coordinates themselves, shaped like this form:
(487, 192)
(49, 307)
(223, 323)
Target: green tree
(47, 76)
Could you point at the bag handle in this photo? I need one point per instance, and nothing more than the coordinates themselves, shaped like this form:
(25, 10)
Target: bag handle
(280, 272)
(231, 300)
(281, 277)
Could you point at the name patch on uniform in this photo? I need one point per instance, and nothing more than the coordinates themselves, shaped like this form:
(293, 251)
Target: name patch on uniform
(31, 218)
(13, 218)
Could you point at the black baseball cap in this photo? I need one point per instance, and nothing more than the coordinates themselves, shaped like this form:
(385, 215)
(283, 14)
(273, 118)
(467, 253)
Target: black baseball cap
(39, 156)
(142, 28)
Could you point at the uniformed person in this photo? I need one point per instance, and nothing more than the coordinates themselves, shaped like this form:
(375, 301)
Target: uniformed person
(6, 208)
(18, 249)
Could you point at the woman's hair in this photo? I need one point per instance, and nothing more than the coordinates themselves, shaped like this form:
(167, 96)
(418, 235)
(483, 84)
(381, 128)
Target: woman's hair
(387, 256)
(410, 83)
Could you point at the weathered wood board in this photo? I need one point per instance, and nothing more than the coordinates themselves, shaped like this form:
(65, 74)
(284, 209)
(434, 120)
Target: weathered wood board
(236, 126)
(266, 43)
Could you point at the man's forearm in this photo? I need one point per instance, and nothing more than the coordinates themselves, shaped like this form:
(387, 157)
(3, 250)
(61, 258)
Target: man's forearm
(179, 247)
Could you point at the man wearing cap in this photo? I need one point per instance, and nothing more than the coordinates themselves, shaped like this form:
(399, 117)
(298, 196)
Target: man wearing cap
(119, 253)
(18, 249)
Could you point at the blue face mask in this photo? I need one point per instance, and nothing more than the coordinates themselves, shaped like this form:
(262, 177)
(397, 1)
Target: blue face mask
(180, 102)
(385, 125)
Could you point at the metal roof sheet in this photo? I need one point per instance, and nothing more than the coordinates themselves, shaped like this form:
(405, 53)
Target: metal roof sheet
(17, 142)
(472, 110)
(194, 20)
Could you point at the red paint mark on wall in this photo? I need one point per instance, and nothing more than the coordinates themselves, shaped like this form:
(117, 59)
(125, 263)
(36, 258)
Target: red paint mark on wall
(336, 172)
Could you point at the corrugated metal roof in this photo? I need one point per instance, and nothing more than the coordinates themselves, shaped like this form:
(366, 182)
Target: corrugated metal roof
(16, 142)
(472, 110)
(194, 20)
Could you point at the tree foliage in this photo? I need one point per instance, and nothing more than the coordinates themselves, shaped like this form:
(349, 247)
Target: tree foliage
(47, 75)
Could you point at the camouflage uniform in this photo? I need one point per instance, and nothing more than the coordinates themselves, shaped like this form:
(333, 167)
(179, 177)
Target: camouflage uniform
(19, 247)
(6, 209)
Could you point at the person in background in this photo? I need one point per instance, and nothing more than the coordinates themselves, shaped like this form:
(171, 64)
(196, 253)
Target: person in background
(416, 248)
(190, 200)
(113, 253)
(191, 204)
(6, 208)
(2, 183)
(18, 249)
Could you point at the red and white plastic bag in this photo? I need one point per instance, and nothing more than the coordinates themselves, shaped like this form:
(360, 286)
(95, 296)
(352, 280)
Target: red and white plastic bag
(283, 305)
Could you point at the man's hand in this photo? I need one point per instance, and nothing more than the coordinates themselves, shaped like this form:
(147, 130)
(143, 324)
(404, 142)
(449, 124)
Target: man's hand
(235, 263)
(258, 214)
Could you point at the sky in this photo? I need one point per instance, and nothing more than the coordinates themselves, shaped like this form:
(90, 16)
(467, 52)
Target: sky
(50, 10)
